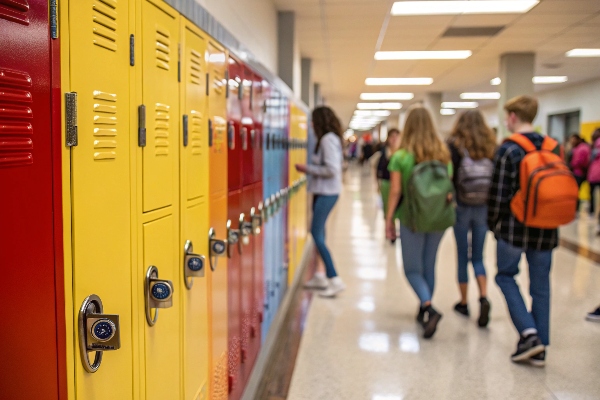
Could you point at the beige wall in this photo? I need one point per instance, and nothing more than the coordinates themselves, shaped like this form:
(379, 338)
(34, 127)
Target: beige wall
(252, 22)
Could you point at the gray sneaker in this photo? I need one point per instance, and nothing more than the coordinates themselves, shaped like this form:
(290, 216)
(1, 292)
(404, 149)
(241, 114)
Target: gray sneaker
(335, 286)
(527, 348)
(318, 282)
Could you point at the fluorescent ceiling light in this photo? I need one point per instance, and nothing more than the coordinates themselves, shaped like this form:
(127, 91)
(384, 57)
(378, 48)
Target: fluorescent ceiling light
(541, 80)
(423, 55)
(377, 113)
(496, 81)
(460, 104)
(398, 81)
(463, 7)
(583, 53)
(447, 111)
(480, 96)
(387, 96)
(379, 106)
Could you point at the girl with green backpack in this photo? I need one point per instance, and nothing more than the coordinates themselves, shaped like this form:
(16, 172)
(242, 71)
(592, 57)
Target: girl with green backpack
(421, 172)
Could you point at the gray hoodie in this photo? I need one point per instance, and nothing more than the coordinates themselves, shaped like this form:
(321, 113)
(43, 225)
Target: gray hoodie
(326, 168)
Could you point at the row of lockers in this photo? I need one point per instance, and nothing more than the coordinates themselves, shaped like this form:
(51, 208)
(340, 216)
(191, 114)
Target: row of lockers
(142, 168)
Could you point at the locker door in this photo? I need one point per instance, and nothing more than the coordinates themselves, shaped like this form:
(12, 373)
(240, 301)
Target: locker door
(194, 209)
(258, 266)
(161, 349)
(234, 116)
(160, 35)
(218, 219)
(27, 251)
(248, 130)
(100, 184)
(158, 217)
(234, 290)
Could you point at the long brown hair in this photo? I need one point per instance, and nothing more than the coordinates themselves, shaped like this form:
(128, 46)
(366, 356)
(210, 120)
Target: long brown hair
(421, 139)
(325, 121)
(472, 133)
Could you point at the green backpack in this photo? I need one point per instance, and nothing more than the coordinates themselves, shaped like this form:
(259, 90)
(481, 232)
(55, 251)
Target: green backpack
(428, 207)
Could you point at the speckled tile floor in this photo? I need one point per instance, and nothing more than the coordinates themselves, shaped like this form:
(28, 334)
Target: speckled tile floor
(365, 344)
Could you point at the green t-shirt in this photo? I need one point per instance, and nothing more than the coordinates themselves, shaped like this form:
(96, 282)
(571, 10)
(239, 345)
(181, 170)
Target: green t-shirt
(404, 162)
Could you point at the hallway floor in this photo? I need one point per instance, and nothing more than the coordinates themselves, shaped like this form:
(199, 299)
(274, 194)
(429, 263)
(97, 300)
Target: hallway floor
(366, 345)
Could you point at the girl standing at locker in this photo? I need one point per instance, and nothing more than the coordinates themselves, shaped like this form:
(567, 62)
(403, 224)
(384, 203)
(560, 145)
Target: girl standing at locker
(325, 185)
(472, 145)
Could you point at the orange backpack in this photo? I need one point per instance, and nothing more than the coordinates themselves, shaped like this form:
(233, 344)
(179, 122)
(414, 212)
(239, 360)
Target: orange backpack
(548, 193)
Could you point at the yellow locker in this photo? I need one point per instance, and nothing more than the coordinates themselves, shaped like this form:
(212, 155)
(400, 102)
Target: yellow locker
(160, 38)
(162, 341)
(96, 53)
(194, 209)
(158, 200)
(219, 386)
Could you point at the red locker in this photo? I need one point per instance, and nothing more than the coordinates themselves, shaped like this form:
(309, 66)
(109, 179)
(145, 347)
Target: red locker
(236, 382)
(248, 132)
(234, 117)
(33, 335)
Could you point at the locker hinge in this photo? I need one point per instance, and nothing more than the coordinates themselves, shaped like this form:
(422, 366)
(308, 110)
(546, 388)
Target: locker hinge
(142, 126)
(54, 19)
(131, 50)
(185, 131)
(71, 119)
(179, 62)
(207, 81)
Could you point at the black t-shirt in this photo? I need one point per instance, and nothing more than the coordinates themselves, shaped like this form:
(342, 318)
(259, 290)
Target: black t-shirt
(382, 166)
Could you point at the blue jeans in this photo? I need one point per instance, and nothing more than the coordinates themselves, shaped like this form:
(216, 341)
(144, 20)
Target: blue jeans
(539, 288)
(322, 206)
(474, 220)
(419, 251)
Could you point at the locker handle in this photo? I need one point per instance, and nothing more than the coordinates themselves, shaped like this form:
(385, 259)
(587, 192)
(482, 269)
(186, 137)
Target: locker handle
(253, 138)
(193, 265)
(216, 248)
(244, 138)
(185, 131)
(142, 126)
(257, 218)
(210, 133)
(158, 294)
(233, 238)
(97, 332)
(245, 230)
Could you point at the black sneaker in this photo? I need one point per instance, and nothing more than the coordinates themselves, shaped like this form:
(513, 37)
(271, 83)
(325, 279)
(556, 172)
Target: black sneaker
(594, 316)
(539, 360)
(484, 312)
(421, 316)
(528, 347)
(433, 317)
(462, 309)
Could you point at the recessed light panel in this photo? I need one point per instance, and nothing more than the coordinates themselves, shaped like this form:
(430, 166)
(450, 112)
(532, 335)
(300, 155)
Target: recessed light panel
(379, 106)
(460, 104)
(496, 81)
(463, 7)
(542, 80)
(480, 96)
(583, 53)
(387, 96)
(375, 113)
(447, 111)
(423, 55)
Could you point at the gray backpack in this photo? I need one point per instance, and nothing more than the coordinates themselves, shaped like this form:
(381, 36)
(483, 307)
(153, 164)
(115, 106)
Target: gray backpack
(473, 180)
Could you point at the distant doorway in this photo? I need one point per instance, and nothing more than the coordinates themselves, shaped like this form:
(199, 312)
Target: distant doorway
(561, 126)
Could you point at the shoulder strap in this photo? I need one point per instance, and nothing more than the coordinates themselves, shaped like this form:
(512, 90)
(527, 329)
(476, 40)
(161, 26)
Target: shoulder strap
(549, 144)
(522, 141)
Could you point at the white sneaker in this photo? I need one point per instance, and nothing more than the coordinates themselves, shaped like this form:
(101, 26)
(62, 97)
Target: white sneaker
(318, 281)
(335, 286)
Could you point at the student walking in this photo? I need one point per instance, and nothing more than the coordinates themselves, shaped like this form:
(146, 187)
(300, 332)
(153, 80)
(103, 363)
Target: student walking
(472, 144)
(580, 160)
(383, 174)
(532, 194)
(421, 170)
(593, 173)
(325, 185)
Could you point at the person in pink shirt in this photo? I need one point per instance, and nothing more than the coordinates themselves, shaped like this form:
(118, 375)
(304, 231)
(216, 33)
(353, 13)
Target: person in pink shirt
(593, 175)
(580, 160)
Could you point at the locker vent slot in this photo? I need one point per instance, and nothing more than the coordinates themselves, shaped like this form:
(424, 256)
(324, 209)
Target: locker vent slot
(15, 11)
(163, 48)
(105, 24)
(105, 126)
(16, 119)
(196, 132)
(196, 68)
(161, 129)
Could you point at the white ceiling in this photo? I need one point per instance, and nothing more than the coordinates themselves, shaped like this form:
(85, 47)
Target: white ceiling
(341, 37)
